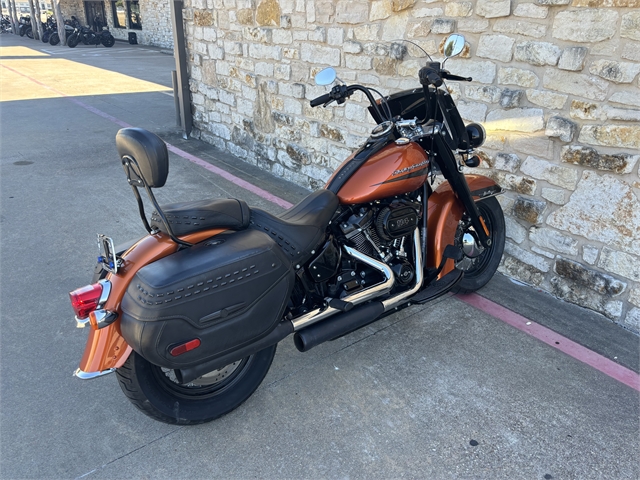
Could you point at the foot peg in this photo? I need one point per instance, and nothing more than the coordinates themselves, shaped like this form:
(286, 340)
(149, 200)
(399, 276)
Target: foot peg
(340, 304)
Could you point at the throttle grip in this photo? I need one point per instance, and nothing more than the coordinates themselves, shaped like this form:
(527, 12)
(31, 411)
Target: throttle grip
(321, 100)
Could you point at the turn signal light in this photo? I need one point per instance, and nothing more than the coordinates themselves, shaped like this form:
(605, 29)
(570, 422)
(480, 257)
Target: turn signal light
(185, 347)
(86, 299)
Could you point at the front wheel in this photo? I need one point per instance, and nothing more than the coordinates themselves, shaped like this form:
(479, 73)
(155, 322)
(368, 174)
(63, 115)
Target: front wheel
(54, 39)
(108, 41)
(478, 265)
(73, 41)
(29, 33)
(157, 393)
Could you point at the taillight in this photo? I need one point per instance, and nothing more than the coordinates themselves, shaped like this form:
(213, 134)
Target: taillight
(86, 299)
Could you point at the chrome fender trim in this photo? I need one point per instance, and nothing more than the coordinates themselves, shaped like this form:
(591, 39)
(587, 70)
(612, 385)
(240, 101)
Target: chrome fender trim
(90, 375)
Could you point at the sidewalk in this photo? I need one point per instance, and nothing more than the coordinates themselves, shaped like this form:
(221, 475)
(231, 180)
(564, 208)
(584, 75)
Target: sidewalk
(446, 390)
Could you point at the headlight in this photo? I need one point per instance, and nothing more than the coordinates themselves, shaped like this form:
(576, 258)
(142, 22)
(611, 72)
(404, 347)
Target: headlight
(476, 134)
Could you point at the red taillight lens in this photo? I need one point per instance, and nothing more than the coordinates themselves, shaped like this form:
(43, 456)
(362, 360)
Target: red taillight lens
(86, 299)
(185, 347)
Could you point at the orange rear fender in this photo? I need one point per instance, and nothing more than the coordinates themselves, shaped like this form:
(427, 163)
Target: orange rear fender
(106, 349)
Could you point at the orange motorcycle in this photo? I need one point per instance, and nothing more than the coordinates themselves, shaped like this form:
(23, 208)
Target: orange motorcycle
(189, 316)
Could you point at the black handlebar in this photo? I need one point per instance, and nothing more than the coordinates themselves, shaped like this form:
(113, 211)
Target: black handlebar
(429, 76)
(321, 100)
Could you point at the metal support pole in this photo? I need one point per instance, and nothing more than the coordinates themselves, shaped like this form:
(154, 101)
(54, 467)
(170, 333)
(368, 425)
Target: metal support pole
(180, 54)
(176, 97)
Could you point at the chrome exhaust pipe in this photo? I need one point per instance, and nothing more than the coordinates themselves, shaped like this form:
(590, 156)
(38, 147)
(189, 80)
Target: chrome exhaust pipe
(390, 303)
(362, 296)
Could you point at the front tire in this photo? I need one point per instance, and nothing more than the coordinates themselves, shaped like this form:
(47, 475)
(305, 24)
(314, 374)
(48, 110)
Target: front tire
(156, 392)
(73, 41)
(480, 269)
(108, 41)
(54, 39)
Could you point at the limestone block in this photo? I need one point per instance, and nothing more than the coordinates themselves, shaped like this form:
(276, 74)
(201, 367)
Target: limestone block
(585, 297)
(352, 12)
(483, 72)
(268, 13)
(473, 25)
(622, 163)
(529, 258)
(516, 269)
(517, 27)
(496, 47)
(493, 8)
(626, 98)
(335, 36)
(634, 296)
(533, 145)
(281, 36)
(631, 51)
(546, 99)
(554, 241)
(318, 34)
(613, 113)
(458, 9)
(319, 55)
(620, 263)
(427, 12)
(554, 195)
(443, 26)
(531, 10)
(602, 208)
(585, 25)
(472, 111)
(586, 86)
(507, 161)
(590, 254)
(352, 47)
(384, 65)
(562, 128)
(399, 5)
(555, 174)
(483, 93)
(622, 136)
(395, 27)
(630, 26)
(517, 76)
(572, 58)
(366, 32)
(618, 72)
(514, 230)
(632, 320)
(586, 110)
(511, 98)
(380, 9)
(553, 2)
(515, 183)
(537, 53)
(358, 62)
(516, 119)
(529, 210)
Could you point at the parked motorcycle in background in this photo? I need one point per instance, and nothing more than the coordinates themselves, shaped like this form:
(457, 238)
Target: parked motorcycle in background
(24, 27)
(48, 28)
(88, 37)
(189, 316)
(69, 28)
(5, 24)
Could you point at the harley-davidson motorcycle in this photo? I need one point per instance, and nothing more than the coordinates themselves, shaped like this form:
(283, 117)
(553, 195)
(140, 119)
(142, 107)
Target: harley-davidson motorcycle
(189, 316)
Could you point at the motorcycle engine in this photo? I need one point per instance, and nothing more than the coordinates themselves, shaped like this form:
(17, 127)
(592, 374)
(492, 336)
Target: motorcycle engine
(384, 231)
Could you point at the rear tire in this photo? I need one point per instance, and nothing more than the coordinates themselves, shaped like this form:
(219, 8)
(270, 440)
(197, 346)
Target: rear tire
(479, 270)
(73, 41)
(54, 39)
(156, 392)
(45, 37)
(29, 32)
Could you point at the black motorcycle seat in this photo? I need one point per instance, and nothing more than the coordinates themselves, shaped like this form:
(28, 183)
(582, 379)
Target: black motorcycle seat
(300, 229)
(190, 217)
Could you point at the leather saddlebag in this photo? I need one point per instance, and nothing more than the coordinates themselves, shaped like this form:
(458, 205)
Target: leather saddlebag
(224, 293)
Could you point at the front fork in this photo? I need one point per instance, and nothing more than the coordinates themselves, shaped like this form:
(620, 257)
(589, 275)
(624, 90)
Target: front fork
(449, 168)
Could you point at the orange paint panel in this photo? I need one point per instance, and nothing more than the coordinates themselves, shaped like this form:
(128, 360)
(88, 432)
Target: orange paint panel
(386, 174)
(106, 348)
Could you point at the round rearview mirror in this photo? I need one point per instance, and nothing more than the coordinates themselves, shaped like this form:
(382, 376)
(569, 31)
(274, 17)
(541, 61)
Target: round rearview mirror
(453, 45)
(326, 76)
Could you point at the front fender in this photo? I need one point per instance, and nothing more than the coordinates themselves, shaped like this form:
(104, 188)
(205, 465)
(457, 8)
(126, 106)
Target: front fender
(106, 348)
(445, 212)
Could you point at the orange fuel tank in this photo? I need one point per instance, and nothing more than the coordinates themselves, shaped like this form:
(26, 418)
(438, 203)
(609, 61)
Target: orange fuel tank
(394, 170)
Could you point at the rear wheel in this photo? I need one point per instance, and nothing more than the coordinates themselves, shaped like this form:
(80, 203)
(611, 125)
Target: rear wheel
(479, 265)
(54, 39)
(157, 393)
(29, 32)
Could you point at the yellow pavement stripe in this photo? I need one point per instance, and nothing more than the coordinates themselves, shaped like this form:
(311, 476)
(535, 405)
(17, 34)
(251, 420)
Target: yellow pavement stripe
(20, 52)
(66, 78)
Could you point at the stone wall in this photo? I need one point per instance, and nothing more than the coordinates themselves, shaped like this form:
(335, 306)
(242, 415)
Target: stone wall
(156, 24)
(555, 83)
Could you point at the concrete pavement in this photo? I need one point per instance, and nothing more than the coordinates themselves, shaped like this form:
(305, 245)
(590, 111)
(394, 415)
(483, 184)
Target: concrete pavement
(443, 390)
